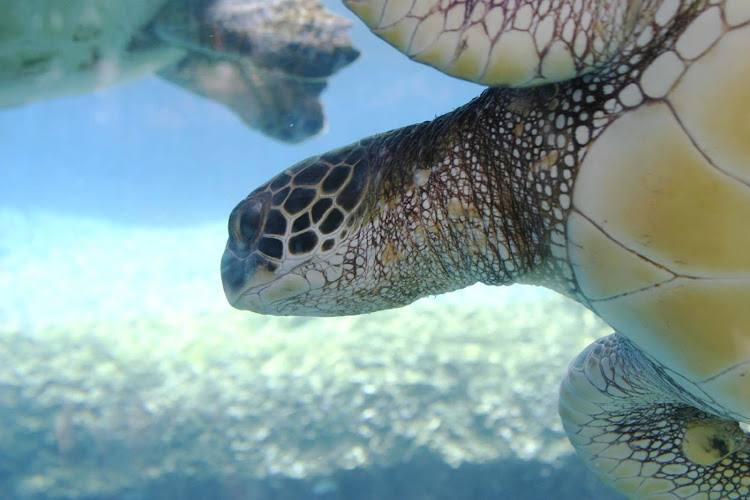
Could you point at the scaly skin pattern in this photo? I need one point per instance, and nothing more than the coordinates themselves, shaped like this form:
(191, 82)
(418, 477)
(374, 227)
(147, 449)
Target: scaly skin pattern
(626, 188)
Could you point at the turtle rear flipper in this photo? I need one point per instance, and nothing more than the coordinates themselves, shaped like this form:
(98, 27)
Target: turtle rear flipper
(644, 435)
(489, 43)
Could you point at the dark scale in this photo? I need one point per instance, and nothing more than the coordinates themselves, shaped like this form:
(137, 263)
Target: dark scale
(332, 222)
(275, 223)
(303, 243)
(355, 156)
(271, 247)
(312, 175)
(349, 197)
(320, 208)
(337, 156)
(301, 223)
(280, 181)
(279, 197)
(299, 199)
(335, 179)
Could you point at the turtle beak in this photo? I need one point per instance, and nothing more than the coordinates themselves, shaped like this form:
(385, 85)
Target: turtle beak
(253, 283)
(234, 275)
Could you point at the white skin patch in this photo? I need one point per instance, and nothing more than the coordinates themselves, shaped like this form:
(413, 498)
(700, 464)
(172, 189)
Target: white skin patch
(544, 32)
(315, 278)
(421, 176)
(631, 96)
(700, 35)
(737, 12)
(666, 12)
(659, 77)
(289, 285)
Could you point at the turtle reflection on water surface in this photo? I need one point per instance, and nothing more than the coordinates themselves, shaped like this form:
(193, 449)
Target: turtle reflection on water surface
(610, 161)
(266, 60)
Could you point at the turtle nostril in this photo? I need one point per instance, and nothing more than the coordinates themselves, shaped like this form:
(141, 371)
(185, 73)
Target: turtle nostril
(246, 224)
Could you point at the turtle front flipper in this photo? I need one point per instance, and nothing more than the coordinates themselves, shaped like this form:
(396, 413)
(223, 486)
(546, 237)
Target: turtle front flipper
(643, 434)
(521, 43)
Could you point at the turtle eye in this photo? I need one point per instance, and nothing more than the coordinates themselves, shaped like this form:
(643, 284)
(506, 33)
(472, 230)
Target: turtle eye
(246, 225)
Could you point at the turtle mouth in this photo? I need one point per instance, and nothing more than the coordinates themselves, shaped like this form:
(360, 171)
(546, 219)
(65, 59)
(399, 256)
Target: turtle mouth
(253, 284)
(241, 278)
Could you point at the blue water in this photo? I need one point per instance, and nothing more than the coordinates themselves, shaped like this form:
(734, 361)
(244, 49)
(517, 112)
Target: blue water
(113, 206)
(150, 153)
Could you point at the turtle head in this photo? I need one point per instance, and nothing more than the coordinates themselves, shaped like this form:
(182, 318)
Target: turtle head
(287, 247)
(366, 227)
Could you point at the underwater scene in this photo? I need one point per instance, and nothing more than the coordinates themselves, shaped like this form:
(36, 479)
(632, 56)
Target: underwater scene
(125, 374)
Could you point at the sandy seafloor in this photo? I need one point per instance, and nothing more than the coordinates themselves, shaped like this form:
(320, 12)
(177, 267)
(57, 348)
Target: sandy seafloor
(125, 375)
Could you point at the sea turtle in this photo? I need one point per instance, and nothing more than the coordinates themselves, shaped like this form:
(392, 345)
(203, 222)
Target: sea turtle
(610, 161)
(267, 60)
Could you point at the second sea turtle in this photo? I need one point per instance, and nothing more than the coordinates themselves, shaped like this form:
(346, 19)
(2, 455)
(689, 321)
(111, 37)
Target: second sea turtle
(266, 60)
